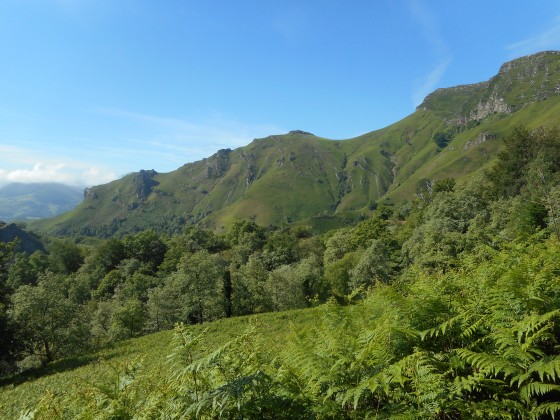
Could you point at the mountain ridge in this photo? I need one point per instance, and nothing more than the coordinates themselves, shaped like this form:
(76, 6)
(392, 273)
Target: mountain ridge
(302, 178)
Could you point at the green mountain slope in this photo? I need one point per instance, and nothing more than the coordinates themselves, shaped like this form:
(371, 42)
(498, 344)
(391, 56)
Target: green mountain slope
(23, 393)
(298, 177)
(19, 201)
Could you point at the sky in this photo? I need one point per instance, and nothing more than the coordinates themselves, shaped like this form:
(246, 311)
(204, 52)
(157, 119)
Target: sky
(91, 90)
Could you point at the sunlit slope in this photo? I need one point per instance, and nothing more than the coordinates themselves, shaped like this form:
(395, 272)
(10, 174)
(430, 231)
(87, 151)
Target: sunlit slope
(99, 370)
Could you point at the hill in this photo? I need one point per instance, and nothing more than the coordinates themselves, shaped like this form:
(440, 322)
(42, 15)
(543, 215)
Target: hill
(24, 392)
(27, 241)
(25, 202)
(299, 177)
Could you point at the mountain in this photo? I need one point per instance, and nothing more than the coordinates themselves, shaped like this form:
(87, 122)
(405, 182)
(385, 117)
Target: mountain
(24, 202)
(27, 241)
(299, 177)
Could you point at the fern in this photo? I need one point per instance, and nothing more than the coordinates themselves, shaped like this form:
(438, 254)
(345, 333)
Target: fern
(546, 409)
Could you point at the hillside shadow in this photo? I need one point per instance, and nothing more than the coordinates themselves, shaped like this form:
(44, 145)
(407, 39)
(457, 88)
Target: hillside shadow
(58, 366)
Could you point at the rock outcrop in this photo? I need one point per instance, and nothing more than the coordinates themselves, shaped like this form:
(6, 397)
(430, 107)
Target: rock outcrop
(143, 183)
(519, 82)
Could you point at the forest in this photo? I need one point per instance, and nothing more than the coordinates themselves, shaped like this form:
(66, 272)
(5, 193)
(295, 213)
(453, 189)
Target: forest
(446, 305)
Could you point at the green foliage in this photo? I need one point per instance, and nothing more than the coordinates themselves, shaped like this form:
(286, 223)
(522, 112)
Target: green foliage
(441, 139)
(480, 341)
(65, 256)
(367, 231)
(20, 272)
(49, 323)
(200, 277)
(292, 286)
(147, 247)
(444, 185)
(249, 288)
(129, 319)
(521, 151)
(377, 263)
(246, 232)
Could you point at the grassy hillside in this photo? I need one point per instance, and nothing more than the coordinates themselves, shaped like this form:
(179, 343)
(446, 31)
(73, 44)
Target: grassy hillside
(101, 370)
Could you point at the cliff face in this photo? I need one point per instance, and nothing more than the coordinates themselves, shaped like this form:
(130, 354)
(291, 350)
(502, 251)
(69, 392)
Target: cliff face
(518, 83)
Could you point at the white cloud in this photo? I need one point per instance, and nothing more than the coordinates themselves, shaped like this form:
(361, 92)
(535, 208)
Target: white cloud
(428, 25)
(21, 165)
(182, 141)
(548, 39)
(430, 82)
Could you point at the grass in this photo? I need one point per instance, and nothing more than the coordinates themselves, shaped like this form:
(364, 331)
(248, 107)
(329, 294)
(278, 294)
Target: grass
(22, 392)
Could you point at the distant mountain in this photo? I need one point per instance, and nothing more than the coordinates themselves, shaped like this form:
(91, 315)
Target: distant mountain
(298, 177)
(25, 202)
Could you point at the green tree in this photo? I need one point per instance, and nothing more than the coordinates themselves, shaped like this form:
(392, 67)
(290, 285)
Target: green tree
(377, 263)
(521, 149)
(21, 272)
(249, 293)
(7, 255)
(65, 256)
(280, 249)
(285, 289)
(338, 274)
(443, 233)
(49, 323)
(246, 232)
(104, 258)
(201, 278)
(292, 286)
(337, 245)
(441, 139)
(100, 314)
(109, 284)
(444, 185)
(147, 247)
(368, 231)
(40, 261)
(128, 319)
(166, 305)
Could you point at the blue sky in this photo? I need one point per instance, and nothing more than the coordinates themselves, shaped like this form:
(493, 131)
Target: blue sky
(93, 89)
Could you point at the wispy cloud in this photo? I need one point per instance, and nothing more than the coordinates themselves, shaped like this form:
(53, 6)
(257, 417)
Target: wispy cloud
(23, 165)
(548, 38)
(429, 82)
(429, 29)
(188, 141)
